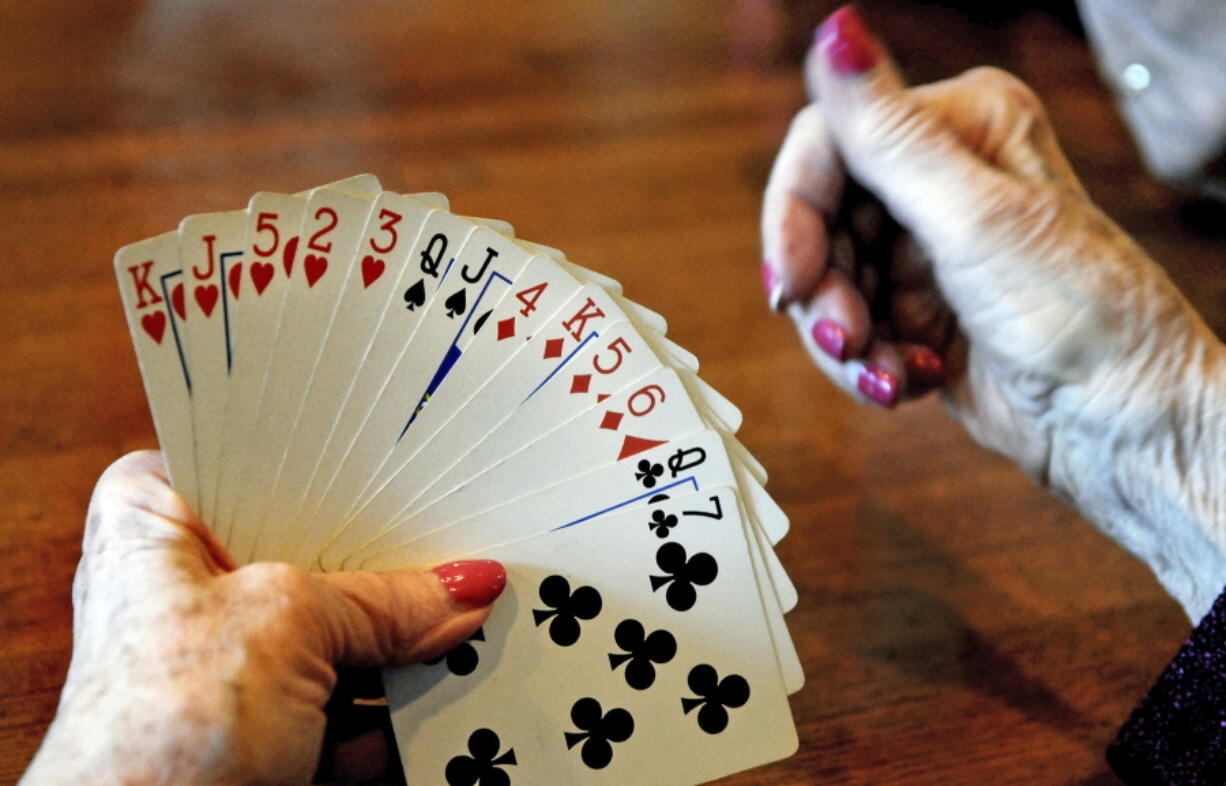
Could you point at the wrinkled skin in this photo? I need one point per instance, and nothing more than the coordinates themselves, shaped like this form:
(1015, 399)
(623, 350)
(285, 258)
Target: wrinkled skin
(941, 227)
(186, 670)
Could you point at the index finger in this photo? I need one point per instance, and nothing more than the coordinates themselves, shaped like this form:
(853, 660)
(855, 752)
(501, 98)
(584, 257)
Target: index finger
(801, 196)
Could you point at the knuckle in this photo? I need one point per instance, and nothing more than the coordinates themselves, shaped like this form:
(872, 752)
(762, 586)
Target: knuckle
(1006, 86)
(133, 465)
(280, 584)
(138, 480)
(807, 119)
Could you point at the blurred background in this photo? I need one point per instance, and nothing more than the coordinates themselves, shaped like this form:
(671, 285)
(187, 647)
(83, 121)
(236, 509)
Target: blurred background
(957, 626)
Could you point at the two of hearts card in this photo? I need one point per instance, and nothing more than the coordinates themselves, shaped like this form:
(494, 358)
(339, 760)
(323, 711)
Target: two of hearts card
(353, 379)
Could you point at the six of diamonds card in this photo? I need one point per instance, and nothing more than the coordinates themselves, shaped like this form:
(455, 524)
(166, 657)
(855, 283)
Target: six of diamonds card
(350, 378)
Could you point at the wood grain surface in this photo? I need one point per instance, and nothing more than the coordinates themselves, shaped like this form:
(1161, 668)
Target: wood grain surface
(957, 625)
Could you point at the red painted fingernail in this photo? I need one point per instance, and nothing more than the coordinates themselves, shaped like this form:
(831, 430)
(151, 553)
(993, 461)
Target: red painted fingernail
(770, 282)
(847, 42)
(925, 369)
(831, 337)
(473, 583)
(879, 386)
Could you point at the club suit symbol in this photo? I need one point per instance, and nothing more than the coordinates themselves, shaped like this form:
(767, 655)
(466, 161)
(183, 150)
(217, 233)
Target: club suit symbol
(641, 652)
(482, 767)
(597, 731)
(662, 523)
(648, 474)
(462, 659)
(713, 697)
(682, 574)
(565, 609)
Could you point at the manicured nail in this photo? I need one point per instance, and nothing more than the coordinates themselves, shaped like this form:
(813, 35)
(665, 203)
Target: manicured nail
(847, 42)
(770, 282)
(925, 369)
(473, 583)
(879, 386)
(831, 337)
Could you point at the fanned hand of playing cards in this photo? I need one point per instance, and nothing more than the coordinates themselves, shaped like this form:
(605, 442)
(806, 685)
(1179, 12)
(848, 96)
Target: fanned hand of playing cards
(349, 378)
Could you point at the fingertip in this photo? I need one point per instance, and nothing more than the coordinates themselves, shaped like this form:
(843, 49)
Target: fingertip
(830, 337)
(847, 62)
(472, 584)
(796, 255)
(836, 318)
(882, 377)
(845, 41)
(925, 370)
(878, 385)
(139, 463)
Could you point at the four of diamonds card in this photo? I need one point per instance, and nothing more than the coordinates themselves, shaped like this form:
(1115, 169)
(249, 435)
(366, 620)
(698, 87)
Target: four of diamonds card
(349, 378)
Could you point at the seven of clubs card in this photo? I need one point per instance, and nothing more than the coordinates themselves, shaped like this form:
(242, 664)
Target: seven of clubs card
(351, 378)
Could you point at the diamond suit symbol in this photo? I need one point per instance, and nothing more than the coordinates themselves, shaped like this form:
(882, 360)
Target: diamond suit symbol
(581, 383)
(506, 328)
(553, 347)
(611, 420)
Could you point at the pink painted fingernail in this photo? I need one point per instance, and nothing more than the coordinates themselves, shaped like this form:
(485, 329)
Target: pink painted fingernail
(879, 386)
(770, 282)
(831, 337)
(473, 583)
(925, 369)
(847, 42)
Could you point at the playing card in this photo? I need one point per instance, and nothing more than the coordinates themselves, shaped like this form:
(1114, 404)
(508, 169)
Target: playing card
(210, 252)
(608, 641)
(273, 222)
(151, 285)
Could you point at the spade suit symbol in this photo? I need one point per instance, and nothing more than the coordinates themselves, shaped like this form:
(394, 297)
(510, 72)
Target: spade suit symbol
(415, 295)
(456, 304)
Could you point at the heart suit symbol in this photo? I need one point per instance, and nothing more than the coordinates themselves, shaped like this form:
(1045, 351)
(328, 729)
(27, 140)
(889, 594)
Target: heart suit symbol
(206, 298)
(371, 270)
(314, 266)
(154, 324)
(261, 274)
(176, 300)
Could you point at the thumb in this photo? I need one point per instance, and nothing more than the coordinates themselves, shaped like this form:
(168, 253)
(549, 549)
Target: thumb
(405, 616)
(890, 141)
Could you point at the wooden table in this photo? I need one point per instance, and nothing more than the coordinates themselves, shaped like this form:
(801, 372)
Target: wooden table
(957, 626)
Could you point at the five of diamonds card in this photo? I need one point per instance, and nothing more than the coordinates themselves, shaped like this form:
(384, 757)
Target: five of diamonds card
(349, 378)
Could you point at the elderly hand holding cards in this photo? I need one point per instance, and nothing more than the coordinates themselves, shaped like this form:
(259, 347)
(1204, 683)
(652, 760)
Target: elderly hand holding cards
(188, 670)
(354, 379)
